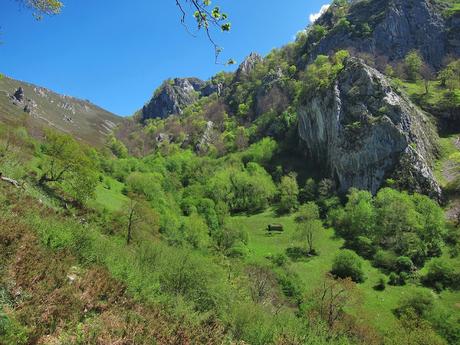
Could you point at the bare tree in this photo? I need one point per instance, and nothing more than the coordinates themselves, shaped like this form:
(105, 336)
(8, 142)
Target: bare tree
(332, 298)
(427, 73)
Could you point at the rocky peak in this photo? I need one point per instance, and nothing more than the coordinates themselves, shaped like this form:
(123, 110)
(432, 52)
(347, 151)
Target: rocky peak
(248, 65)
(396, 27)
(364, 132)
(172, 97)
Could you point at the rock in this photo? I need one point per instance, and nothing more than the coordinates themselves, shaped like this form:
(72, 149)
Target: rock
(248, 65)
(397, 27)
(362, 132)
(272, 94)
(206, 139)
(172, 97)
(19, 95)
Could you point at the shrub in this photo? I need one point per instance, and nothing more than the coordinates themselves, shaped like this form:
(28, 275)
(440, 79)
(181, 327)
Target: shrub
(278, 259)
(404, 264)
(381, 284)
(386, 260)
(398, 279)
(393, 279)
(364, 246)
(441, 275)
(297, 253)
(421, 303)
(348, 264)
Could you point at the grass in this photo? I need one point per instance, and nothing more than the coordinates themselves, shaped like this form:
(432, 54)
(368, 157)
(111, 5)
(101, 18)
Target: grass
(378, 306)
(109, 195)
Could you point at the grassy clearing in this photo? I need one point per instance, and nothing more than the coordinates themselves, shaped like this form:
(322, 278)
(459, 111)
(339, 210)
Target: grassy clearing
(378, 306)
(109, 195)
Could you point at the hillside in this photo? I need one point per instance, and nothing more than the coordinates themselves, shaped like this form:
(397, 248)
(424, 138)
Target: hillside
(43, 107)
(311, 197)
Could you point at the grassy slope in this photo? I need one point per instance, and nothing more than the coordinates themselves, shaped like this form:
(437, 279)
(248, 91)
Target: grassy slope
(378, 305)
(89, 122)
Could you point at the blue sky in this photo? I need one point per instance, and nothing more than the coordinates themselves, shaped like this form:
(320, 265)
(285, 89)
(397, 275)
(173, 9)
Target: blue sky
(115, 53)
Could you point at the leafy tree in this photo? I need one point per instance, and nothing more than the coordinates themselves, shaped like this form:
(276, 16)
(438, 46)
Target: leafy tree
(307, 232)
(288, 193)
(43, 7)
(309, 191)
(66, 161)
(196, 231)
(307, 212)
(347, 264)
(135, 216)
(441, 274)
(450, 75)
(414, 63)
(359, 216)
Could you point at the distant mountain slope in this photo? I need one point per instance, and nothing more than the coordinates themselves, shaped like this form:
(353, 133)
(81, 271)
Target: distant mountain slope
(84, 120)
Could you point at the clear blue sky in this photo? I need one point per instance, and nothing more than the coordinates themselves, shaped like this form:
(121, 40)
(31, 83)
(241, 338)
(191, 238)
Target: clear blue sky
(115, 53)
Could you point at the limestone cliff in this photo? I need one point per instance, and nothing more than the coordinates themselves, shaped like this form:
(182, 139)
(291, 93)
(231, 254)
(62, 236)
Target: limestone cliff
(363, 132)
(391, 28)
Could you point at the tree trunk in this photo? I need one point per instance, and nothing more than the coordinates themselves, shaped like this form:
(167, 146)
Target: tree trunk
(10, 180)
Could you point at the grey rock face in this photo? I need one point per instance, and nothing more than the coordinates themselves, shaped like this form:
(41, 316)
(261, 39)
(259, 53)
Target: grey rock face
(172, 97)
(363, 131)
(399, 27)
(248, 65)
(19, 95)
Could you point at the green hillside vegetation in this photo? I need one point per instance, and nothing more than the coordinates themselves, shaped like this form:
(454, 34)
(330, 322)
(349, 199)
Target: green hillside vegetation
(173, 231)
(178, 236)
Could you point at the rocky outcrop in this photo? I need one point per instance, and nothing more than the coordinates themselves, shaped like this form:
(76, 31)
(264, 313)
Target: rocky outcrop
(245, 68)
(174, 95)
(396, 27)
(363, 132)
(19, 95)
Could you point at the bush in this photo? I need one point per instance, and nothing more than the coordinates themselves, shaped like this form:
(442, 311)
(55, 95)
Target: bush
(278, 259)
(404, 264)
(381, 284)
(441, 275)
(364, 246)
(348, 264)
(398, 279)
(386, 260)
(420, 303)
(297, 253)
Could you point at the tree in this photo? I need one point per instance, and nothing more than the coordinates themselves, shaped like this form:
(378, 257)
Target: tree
(414, 63)
(309, 225)
(347, 264)
(427, 74)
(66, 162)
(359, 216)
(207, 18)
(196, 231)
(307, 232)
(134, 216)
(332, 298)
(288, 193)
(441, 274)
(308, 192)
(307, 212)
(43, 7)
